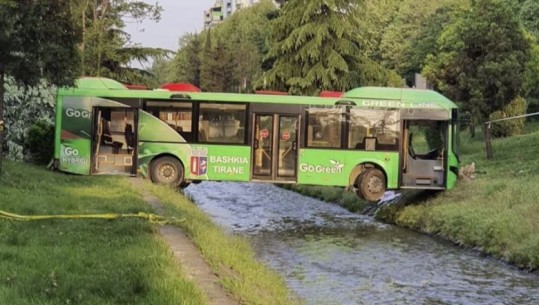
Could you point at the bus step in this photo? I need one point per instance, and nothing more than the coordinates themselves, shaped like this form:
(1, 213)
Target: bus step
(423, 181)
(111, 167)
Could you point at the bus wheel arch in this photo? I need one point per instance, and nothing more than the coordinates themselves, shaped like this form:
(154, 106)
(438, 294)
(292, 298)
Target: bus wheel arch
(168, 170)
(369, 181)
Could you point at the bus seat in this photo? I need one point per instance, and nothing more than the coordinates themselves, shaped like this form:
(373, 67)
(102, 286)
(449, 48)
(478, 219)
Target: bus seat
(202, 136)
(129, 137)
(371, 143)
(106, 138)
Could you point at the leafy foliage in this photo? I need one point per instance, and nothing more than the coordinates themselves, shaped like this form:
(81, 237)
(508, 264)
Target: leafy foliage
(480, 58)
(510, 127)
(213, 70)
(413, 32)
(106, 49)
(37, 41)
(40, 142)
(528, 14)
(186, 65)
(26, 106)
(314, 44)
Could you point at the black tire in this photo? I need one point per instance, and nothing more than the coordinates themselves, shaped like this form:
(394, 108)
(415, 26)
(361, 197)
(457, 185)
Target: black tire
(167, 171)
(357, 186)
(372, 184)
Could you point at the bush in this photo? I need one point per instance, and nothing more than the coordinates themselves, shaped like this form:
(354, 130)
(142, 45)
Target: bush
(23, 107)
(513, 127)
(40, 142)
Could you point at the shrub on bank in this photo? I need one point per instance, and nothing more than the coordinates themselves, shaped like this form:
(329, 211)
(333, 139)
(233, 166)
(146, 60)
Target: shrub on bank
(512, 127)
(40, 142)
(24, 107)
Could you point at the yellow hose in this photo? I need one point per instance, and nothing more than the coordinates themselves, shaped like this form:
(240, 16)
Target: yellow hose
(152, 218)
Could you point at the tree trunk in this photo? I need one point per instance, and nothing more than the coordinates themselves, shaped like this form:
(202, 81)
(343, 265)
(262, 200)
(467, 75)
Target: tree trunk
(488, 140)
(2, 74)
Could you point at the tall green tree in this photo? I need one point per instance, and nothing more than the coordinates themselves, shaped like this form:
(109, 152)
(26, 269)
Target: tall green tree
(245, 35)
(38, 40)
(481, 58)
(208, 80)
(413, 32)
(377, 17)
(106, 49)
(186, 64)
(315, 44)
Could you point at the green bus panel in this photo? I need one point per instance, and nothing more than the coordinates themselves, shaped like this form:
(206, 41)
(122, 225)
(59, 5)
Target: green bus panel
(201, 162)
(333, 167)
(75, 136)
(153, 129)
(75, 156)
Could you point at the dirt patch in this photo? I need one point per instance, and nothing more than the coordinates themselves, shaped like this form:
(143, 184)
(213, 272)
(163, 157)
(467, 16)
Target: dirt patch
(188, 255)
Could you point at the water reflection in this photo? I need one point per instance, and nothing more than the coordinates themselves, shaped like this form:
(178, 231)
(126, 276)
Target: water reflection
(331, 256)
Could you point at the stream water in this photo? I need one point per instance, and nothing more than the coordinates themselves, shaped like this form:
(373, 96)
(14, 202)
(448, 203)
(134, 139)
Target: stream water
(331, 256)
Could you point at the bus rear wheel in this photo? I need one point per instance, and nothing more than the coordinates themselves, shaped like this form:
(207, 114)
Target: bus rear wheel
(372, 184)
(167, 171)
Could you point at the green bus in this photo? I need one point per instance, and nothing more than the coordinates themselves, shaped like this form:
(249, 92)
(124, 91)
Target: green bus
(368, 140)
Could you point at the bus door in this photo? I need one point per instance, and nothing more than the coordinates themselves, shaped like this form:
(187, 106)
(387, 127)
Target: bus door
(424, 154)
(114, 141)
(275, 147)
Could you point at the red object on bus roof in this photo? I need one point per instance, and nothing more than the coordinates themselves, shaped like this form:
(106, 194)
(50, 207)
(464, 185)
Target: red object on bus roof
(331, 94)
(136, 87)
(183, 87)
(269, 92)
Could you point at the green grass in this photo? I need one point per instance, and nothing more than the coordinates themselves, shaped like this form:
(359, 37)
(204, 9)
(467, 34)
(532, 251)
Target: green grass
(82, 261)
(230, 257)
(498, 212)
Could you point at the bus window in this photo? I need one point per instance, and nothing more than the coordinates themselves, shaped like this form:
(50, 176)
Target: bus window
(177, 115)
(427, 139)
(324, 127)
(222, 123)
(373, 129)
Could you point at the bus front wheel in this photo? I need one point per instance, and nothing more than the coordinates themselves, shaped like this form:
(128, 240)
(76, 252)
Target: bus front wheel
(372, 184)
(167, 171)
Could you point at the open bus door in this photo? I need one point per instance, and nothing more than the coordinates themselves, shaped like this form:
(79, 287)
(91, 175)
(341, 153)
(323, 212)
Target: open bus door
(275, 147)
(114, 141)
(424, 154)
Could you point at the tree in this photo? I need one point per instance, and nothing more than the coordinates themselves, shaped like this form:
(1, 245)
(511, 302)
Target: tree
(186, 64)
(528, 14)
(215, 70)
(413, 33)
(37, 41)
(314, 44)
(106, 48)
(480, 59)
(245, 36)
(377, 17)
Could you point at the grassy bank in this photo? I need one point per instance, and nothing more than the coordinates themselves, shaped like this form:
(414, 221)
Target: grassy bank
(112, 262)
(231, 258)
(82, 261)
(497, 212)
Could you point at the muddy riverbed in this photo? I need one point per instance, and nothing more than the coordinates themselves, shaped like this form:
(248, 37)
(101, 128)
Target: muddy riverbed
(331, 256)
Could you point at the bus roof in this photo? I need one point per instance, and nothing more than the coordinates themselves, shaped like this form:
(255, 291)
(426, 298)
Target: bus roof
(377, 97)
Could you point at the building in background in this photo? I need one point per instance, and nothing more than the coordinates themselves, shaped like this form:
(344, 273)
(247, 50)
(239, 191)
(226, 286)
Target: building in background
(224, 8)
